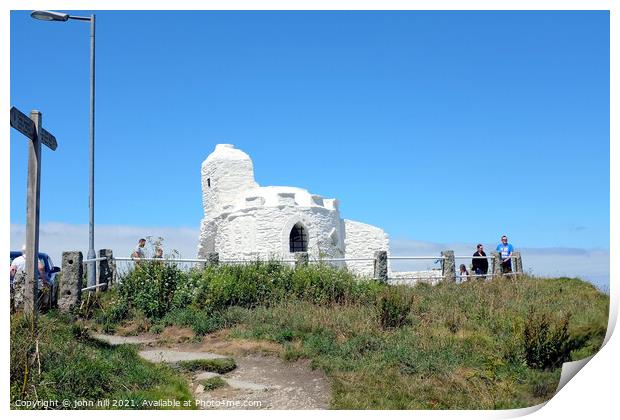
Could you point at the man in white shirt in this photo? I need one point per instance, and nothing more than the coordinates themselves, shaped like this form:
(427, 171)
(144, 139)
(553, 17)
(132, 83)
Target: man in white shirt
(19, 264)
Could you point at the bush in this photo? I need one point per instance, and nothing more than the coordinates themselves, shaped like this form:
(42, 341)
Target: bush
(157, 289)
(150, 287)
(546, 341)
(394, 307)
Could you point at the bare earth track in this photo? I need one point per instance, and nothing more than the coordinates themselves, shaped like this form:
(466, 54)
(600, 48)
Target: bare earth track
(262, 380)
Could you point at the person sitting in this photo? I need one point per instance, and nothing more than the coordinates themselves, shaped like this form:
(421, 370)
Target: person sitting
(159, 253)
(463, 273)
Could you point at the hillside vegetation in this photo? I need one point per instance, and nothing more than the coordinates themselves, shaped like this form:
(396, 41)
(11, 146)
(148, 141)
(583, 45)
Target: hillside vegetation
(64, 364)
(477, 345)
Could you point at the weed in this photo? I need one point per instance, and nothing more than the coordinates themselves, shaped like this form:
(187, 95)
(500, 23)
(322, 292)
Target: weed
(224, 365)
(213, 383)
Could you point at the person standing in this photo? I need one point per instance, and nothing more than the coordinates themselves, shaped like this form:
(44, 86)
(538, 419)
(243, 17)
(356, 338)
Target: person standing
(505, 251)
(480, 266)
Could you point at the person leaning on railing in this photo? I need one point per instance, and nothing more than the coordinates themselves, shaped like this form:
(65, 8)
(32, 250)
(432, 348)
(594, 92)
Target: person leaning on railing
(138, 253)
(505, 250)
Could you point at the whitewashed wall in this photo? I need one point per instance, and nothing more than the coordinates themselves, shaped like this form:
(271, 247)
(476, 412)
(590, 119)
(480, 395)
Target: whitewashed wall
(361, 241)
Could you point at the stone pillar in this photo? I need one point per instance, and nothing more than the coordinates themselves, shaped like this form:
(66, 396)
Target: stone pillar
(381, 266)
(496, 264)
(448, 269)
(18, 290)
(517, 265)
(105, 272)
(301, 259)
(70, 289)
(213, 258)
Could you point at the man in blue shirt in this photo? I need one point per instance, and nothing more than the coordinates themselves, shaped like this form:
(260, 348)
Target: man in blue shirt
(505, 252)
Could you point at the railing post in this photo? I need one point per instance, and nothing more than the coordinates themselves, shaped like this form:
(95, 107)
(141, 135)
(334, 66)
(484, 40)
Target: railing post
(381, 266)
(70, 288)
(18, 289)
(448, 269)
(301, 259)
(104, 270)
(497, 263)
(518, 265)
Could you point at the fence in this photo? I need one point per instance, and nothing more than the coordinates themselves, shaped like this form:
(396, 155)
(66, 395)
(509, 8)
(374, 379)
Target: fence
(109, 269)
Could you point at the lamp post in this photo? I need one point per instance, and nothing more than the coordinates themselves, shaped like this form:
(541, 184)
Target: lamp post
(63, 17)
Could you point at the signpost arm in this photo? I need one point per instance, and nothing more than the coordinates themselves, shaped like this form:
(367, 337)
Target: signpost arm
(32, 217)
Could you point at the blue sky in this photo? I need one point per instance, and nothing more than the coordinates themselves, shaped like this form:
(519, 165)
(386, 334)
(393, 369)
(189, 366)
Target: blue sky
(437, 126)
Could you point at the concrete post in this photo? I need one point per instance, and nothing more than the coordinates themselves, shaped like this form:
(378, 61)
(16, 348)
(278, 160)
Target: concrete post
(381, 266)
(19, 284)
(517, 265)
(213, 258)
(105, 273)
(301, 259)
(70, 290)
(448, 269)
(497, 264)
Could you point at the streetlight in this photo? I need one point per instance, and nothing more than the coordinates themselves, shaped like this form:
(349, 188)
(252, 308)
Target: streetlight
(63, 17)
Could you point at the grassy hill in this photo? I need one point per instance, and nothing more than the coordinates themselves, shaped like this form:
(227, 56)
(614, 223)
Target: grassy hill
(477, 345)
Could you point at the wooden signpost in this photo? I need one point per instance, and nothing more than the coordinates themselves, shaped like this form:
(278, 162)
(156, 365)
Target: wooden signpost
(31, 128)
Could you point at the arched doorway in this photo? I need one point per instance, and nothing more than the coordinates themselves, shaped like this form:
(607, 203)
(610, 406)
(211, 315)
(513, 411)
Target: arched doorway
(298, 239)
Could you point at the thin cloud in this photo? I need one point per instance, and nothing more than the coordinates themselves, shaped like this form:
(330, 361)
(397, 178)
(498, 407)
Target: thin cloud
(55, 238)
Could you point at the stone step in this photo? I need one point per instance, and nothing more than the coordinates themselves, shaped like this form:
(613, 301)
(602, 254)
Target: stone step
(172, 356)
(235, 383)
(116, 340)
(206, 375)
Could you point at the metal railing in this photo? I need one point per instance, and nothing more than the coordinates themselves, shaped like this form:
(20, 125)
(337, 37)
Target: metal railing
(417, 276)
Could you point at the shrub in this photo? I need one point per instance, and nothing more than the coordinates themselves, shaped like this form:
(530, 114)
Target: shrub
(394, 307)
(150, 287)
(546, 341)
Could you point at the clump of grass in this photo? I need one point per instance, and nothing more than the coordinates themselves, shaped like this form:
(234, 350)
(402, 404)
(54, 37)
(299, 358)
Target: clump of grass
(221, 366)
(213, 383)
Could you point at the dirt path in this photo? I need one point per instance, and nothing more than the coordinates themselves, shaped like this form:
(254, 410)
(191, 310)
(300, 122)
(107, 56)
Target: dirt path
(262, 380)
